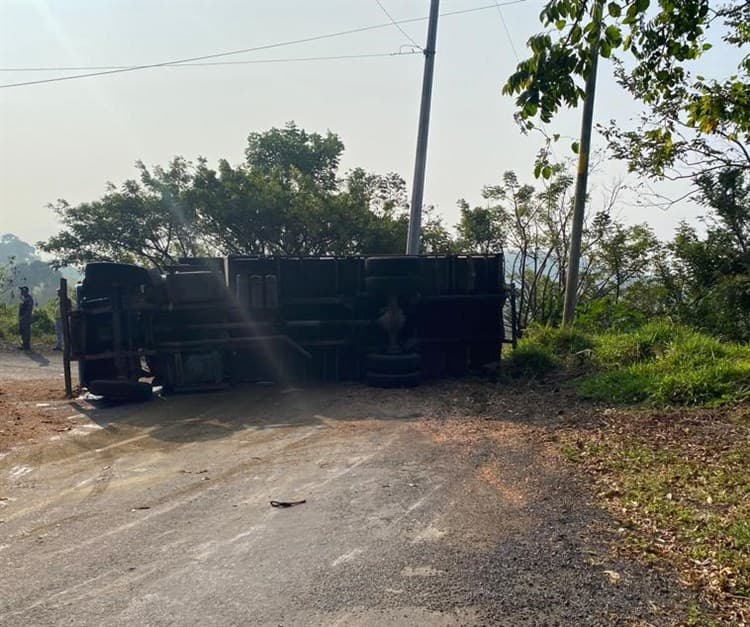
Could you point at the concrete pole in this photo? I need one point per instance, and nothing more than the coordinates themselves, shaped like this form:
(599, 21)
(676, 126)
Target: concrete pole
(417, 193)
(584, 149)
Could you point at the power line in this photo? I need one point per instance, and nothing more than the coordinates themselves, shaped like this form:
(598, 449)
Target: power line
(75, 68)
(397, 25)
(507, 31)
(280, 44)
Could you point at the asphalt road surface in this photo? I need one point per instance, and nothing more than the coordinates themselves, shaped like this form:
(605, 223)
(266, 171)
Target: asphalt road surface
(418, 511)
(18, 365)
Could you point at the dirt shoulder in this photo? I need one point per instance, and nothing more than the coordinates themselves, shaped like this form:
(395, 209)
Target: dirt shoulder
(32, 410)
(678, 483)
(32, 397)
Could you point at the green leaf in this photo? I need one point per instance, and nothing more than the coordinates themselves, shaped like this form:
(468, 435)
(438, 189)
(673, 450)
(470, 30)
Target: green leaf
(575, 147)
(614, 9)
(556, 137)
(642, 5)
(613, 35)
(546, 172)
(560, 24)
(529, 110)
(707, 46)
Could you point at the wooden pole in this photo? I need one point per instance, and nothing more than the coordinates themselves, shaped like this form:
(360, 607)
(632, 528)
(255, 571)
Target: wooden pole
(65, 320)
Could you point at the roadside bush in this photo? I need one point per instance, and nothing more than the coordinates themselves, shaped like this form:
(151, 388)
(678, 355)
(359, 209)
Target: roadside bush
(8, 322)
(43, 319)
(531, 361)
(604, 314)
(544, 349)
(42, 324)
(558, 341)
(659, 363)
(667, 364)
(647, 342)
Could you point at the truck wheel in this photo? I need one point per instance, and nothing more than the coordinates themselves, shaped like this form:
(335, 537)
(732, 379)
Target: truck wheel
(119, 390)
(405, 380)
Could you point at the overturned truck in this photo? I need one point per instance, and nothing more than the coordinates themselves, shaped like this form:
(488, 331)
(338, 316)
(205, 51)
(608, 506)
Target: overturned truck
(209, 323)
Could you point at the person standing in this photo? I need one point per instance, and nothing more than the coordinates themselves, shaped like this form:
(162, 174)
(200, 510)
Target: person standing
(25, 308)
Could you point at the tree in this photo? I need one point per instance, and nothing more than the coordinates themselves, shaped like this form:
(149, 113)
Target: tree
(622, 255)
(710, 276)
(480, 230)
(285, 199)
(142, 221)
(533, 225)
(290, 152)
(692, 124)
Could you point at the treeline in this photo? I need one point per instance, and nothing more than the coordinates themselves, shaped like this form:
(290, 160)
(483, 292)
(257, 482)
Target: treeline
(288, 198)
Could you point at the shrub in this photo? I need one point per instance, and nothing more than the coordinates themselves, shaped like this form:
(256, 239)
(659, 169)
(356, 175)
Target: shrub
(531, 361)
(558, 341)
(42, 323)
(667, 364)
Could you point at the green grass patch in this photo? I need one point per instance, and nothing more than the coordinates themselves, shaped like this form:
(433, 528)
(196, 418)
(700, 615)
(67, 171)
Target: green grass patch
(660, 364)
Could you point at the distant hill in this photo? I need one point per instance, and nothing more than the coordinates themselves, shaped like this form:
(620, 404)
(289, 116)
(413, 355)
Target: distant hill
(20, 265)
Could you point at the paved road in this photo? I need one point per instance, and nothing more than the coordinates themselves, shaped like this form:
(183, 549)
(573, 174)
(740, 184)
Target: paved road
(159, 514)
(18, 365)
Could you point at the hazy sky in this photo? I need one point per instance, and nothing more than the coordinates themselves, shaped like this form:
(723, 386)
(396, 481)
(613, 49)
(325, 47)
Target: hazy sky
(66, 139)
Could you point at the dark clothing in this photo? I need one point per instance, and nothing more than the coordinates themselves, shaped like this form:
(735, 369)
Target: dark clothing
(25, 308)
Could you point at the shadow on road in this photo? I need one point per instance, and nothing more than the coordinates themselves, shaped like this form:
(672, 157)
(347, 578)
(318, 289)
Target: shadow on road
(214, 415)
(38, 358)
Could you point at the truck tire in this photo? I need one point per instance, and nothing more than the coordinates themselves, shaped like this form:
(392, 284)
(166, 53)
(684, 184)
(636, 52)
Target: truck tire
(405, 380)
(395, 265)
(400, 363)
(120, 390)
(101, 273)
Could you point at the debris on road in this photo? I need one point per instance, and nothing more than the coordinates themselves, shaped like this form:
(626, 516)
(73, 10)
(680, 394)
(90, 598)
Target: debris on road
(286, 503)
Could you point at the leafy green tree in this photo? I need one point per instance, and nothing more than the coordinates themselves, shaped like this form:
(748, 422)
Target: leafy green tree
(480, 230)
(622, 255)
(144, 221)
(291, 152)
(692, 124)
(709, 279)
(285, 199)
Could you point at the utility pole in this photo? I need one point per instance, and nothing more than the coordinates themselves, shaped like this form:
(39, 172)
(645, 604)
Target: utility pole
(417, 192)
(576, 233)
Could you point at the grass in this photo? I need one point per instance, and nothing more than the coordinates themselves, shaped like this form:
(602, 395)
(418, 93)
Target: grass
(678, 484)
(673, 472)
(659, 364)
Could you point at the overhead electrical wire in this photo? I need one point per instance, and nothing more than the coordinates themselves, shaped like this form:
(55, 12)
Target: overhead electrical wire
(507, 31)
(75, 68)
(398, 26)
(291, 42)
